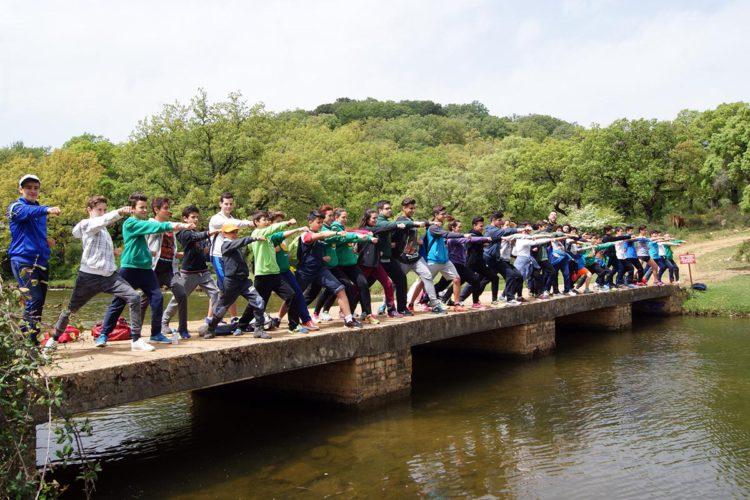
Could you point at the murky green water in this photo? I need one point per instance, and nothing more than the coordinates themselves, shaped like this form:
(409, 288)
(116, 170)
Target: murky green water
(662, 411)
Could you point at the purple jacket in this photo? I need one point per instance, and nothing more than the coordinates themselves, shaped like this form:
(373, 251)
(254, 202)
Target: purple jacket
(457, 248)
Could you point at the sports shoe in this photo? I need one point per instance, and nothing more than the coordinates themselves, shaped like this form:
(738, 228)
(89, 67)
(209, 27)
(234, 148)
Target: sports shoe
(260, 333)
(210, 334)
(495, 303)
(372, 320)
(362, 316)
(140, 345)
(276, 322)
(410, 307)
(585, 291)
(299, 329)
(394, 314)
(605, 288)
(101, 341)
(572, 293)
(381, 309)
(316, 317)
(353, 323)
(48, 347)
(237, 332)
(406, 313)
(477, 305)
(326, 316)
(184, 335)
(159, 339)
(310, 326)
(544, 296)
(439, 309)
(513, 302)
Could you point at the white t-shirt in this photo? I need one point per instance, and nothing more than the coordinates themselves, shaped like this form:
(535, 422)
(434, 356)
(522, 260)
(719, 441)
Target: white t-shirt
(215, 223)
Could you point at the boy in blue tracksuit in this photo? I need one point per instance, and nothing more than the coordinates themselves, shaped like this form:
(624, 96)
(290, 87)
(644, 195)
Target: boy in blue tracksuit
(29, 250)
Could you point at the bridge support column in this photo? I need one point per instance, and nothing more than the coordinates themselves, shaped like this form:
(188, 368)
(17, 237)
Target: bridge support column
(614, 318)
(531, 340)
(359, 381)
(665, 306)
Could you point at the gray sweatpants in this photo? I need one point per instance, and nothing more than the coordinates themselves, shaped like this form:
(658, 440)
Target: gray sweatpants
(190, 282)
(88, 285)
(423, 271)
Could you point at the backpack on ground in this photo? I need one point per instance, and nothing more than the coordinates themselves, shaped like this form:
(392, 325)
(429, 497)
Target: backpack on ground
(121, 331)
(71, 334)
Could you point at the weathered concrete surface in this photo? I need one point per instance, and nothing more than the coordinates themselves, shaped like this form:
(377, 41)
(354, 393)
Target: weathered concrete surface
(615, 318)
(99, 378)
(527, 341)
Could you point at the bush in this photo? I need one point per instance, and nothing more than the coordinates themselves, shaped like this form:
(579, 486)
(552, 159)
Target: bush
(743, 252)
(593, 218)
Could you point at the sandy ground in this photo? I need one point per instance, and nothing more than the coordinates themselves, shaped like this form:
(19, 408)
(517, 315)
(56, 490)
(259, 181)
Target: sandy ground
(701, 270)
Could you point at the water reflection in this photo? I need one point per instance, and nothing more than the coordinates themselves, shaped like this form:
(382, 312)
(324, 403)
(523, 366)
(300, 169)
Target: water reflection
(662, 411)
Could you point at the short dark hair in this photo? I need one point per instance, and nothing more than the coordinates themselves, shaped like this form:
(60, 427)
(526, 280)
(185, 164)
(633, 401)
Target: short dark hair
(190, 209)
(606, 229)
(315, 214)
(325, 207)
(477, 220)
(134, 198)
(159, 202)
(261, 213)
(408, 201)
(452, 224)
(93, 201)
(226, 195)
(276, 215)
(379, 205)
(496, 215)
(437, 209)
(642, 228)
(628, 228)
(338, 211)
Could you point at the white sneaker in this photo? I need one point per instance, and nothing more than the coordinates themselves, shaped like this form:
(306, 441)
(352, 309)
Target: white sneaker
(48, 348)
(325, 316)
(141, 345)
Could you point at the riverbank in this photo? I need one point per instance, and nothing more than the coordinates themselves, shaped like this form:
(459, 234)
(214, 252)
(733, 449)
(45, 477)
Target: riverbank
(723, 298)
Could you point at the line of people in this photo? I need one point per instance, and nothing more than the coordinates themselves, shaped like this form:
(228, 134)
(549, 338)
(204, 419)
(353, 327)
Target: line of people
(321, 263)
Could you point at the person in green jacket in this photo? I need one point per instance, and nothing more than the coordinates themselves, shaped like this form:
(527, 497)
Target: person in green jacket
(135, 267)
(268, 273)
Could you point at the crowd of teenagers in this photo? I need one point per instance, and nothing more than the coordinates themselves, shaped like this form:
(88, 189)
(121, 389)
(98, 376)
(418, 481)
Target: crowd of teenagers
(323, 261)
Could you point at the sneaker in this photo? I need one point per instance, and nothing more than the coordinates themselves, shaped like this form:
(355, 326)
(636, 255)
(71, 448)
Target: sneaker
(439, 309)
(495, 303)
(325, 316)
(210, 334)
(260, 333)
(353, 324)
(544, 296)
(477, 305)
(310, 326)
(395, 314)
(372, 320)
(140, 345)
(185, 335)
(362, 316)
(585, 291)
(659, 283)
(406, 313)
(381, 309)
(316, 317)
(159, 339)
(276, 322)
(513, 302)
(410, 307)
(48, 347)
(237, 332)
(605, 288)
(101, 341)
(299, 329)
(572, 293)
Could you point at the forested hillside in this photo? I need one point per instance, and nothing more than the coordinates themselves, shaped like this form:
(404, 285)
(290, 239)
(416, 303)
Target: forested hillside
(351, 153)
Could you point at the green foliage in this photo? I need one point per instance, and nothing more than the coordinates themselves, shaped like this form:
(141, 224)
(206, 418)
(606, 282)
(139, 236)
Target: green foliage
(743, 252)
(25, 390)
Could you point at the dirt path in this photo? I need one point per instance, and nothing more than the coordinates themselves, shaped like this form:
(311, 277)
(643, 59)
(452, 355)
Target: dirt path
(703, 270)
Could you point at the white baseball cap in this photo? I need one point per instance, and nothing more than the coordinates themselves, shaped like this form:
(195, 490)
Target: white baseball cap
(28, 177)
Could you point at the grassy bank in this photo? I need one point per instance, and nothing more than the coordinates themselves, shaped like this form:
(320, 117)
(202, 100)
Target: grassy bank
(723, 298)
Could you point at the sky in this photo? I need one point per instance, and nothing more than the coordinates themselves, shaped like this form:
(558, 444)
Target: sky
(101, 66)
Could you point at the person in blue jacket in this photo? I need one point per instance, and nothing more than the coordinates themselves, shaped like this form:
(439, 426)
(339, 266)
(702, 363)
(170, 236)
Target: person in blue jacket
(29, 250)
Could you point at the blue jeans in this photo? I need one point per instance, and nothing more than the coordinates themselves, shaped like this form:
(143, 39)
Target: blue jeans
(304, 313)
(33, 280)
(145, 279)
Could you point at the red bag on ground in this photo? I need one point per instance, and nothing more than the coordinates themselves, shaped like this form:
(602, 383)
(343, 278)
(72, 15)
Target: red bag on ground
(70, 334)
(121, 331)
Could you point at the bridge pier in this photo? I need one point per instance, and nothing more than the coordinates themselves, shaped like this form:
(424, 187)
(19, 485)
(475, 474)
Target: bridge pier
(613, 318)
(527, 341)
(664, 306)
(359, 381)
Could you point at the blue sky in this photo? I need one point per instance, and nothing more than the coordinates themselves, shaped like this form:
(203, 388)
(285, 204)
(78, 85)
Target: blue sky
(99, 67)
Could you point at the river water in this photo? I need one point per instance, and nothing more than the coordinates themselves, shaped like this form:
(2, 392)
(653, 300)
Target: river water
(659, 411)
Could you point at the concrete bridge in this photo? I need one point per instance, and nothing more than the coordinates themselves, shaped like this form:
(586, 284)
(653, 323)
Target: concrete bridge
(337, 364)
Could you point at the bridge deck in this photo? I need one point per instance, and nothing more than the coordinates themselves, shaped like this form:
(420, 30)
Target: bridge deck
(99, 378)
